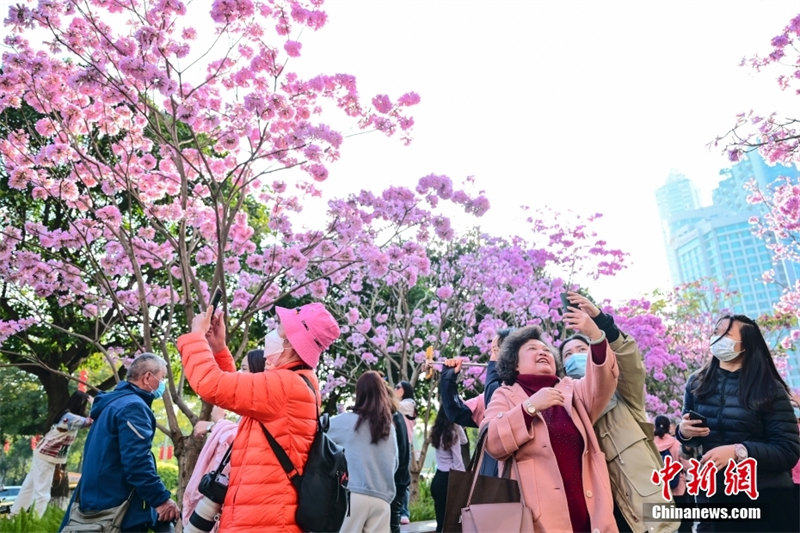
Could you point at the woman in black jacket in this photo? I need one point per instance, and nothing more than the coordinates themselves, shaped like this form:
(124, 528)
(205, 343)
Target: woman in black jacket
(747, 413)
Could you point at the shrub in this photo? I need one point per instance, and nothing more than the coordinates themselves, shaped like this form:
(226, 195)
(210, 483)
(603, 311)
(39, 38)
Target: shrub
(30, 522)
(422, 507)
(168, 471)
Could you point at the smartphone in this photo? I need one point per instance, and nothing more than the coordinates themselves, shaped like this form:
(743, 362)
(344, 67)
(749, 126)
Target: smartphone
(565, 305)
(694, 415)
(215, 300)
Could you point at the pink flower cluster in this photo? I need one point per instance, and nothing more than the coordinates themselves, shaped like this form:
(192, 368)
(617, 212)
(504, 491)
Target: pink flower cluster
(475, 284)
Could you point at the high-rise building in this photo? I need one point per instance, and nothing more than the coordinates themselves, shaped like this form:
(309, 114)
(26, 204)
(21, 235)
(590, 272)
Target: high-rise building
(717, 242)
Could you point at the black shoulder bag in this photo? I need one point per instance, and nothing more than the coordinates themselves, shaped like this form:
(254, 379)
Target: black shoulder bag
(321, 489)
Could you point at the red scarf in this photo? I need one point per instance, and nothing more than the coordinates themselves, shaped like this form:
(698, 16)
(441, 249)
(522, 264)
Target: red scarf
(567, 444)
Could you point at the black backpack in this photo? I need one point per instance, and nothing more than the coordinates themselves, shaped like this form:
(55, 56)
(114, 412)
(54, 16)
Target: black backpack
(322, 489)
(673, 483)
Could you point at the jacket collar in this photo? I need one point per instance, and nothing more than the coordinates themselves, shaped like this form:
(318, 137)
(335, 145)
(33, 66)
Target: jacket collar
(729, 374)
(123, 388)
(147, 396)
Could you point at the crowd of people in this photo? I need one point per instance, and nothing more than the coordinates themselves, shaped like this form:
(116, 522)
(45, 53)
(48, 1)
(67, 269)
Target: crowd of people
(570, 420)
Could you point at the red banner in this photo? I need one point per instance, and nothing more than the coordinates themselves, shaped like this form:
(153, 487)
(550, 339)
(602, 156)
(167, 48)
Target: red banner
(84, 376)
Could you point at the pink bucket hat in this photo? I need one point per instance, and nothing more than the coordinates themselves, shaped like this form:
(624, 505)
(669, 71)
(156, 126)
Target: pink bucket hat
(310, 329)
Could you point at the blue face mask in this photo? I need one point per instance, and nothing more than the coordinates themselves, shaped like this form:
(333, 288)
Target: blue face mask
(575, 365)
(162, 386)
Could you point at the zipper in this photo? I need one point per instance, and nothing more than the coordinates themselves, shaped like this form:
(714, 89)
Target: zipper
(722, 401)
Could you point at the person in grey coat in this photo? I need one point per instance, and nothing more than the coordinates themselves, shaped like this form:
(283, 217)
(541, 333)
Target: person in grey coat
(368, 437)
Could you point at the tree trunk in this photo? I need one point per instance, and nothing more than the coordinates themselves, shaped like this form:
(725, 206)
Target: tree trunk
(414, 487)
(187, 449)
(57, 391)
(59, 492)
(417, 463)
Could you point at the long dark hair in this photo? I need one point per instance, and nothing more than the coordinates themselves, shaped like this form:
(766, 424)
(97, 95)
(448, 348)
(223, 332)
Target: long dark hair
(759, 382)
(76, 405)
(443, 434)
(256, 362)
(408, 390)
(661, 424)
(374, 405)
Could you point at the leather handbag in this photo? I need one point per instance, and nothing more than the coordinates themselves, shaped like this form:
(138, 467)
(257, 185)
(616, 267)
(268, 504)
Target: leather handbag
(486, 517)
(488, 489)
(105, 521)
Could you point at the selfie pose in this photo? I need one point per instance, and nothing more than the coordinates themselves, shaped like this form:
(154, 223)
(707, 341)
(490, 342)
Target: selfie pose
(545, 424)
(623, 431)
(737, 407)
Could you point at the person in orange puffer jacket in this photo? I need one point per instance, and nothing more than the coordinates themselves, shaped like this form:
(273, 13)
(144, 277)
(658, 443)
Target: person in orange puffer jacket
(260, 496)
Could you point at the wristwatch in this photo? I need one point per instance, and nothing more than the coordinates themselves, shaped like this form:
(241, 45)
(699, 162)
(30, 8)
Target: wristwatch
(210, 427)
(741, 451)
(529, 407)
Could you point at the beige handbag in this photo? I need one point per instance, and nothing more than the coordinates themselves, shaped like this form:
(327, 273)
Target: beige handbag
(105, 521)
(486, 517)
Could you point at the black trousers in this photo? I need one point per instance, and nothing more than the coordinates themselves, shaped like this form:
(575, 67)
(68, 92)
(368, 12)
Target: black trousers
(684, 500)
(439, 494)
(396, 508)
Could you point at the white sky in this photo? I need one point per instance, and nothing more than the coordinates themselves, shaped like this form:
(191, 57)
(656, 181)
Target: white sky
(573, 105)
(581, 105)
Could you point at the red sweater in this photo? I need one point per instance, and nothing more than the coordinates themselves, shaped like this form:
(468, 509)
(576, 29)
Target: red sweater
(567, 445)
(566, 441)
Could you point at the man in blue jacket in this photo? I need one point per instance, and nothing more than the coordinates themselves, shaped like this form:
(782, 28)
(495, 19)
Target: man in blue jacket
(117, 459)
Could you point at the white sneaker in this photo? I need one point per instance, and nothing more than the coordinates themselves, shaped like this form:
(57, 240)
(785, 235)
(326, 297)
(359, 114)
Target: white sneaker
(404, 520)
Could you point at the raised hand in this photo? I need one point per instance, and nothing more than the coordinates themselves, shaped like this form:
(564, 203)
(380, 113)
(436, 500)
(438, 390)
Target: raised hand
(202, 321)
(454, 363)
(583, 303)
(216, 332)
(581, 322)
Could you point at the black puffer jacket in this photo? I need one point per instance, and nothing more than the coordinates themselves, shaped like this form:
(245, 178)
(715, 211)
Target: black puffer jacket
(770, 435)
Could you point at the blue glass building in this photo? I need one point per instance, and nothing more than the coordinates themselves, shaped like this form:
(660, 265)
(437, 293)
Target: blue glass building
(716, 241)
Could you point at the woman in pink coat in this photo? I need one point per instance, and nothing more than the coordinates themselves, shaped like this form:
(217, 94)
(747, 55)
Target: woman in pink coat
(546, 424)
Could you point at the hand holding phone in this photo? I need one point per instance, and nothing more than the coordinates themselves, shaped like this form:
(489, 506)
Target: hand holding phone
(215, 300)
(694, 415)
(693, 424)
(566, 306)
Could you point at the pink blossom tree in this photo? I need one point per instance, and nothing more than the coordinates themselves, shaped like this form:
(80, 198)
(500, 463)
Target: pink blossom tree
(777, 138)
(146, 166)
(453, 302)
(673, 331)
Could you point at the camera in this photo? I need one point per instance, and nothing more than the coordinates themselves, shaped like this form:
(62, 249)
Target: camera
(213, 486)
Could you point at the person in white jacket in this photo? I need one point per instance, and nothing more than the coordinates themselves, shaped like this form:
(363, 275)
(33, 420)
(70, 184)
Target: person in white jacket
(51, 451)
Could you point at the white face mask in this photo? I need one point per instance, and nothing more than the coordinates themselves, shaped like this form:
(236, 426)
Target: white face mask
(722, 348)
(273, 344)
